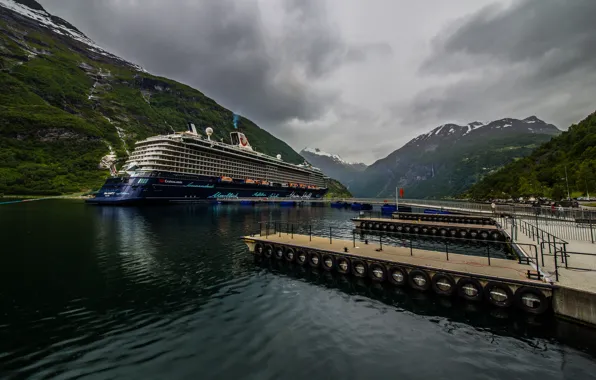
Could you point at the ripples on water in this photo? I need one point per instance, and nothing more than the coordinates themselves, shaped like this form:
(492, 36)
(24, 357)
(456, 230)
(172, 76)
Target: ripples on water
(172, 293)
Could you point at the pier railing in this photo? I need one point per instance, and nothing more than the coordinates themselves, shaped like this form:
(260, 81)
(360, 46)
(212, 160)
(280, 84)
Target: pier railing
(444, 245)
(581, 229)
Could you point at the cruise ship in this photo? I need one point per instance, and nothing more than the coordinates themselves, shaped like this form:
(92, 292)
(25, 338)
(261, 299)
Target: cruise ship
(186, 167)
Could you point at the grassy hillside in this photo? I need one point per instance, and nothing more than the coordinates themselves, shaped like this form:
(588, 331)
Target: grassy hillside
(63, 107)
(543, 172)
(337, 190)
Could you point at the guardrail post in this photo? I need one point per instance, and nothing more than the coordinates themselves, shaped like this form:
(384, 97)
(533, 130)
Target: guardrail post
(411, 251)
(330, 241)
(488, 253)
(381, 241)
(279, 229)
(447, 250)
(354, 238)
(292, 230)
(556, 266)
(591, 229)
(309, 232)
(536, 249)
(266, 230)
(287, 227)
(274, 228)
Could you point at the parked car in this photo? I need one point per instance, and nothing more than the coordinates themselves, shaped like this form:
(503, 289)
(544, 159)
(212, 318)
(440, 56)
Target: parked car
(568, 203)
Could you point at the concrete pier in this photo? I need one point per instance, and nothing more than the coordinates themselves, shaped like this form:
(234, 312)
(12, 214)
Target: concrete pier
(501, 282)
(574, 293)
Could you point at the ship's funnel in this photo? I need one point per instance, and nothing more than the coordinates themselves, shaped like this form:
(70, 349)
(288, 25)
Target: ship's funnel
(191, 128)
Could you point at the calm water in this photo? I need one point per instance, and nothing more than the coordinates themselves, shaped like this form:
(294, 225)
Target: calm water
(171, 293)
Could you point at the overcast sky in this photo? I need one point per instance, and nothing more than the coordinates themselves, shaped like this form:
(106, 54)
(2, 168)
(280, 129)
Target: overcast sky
(360, 78)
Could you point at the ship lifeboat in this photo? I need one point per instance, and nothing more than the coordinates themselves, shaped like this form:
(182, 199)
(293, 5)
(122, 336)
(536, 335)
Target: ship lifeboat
(250, 181)
(284, 185)
(226, 179)
(265, 183)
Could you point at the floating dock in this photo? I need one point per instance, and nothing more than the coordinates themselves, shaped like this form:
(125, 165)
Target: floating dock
(442, 218)
(431, 227)
(501, 282)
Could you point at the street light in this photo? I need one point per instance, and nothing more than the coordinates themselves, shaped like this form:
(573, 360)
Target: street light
(567, 182)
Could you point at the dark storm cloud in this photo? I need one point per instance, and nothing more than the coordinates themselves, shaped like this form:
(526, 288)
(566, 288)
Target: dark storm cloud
(535, 57)
(222, 47)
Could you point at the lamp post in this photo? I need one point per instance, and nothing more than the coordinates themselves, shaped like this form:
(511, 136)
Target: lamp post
(567, 182)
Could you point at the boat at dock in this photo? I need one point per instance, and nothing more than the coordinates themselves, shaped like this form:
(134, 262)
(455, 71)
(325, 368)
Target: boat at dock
(186, 167)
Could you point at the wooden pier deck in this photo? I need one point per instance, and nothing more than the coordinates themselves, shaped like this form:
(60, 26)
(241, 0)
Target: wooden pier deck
(509, 271)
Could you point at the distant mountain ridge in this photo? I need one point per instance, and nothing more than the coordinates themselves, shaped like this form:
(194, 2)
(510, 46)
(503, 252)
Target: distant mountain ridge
(448, 159)
(333, 165)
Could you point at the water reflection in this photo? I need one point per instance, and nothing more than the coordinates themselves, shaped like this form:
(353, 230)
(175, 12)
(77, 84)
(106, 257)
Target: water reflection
(172, 293)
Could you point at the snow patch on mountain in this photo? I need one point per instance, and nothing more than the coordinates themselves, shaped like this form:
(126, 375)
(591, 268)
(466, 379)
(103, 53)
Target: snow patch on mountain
(474, 125)
(334, 157)
(49, 21)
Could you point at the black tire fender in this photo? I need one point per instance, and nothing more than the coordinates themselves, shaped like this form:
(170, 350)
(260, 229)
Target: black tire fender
(258, 249)
(290, 254)
(279, 252)
(461, 291)
(311, 256)
(393, 280)
(416, 273)
(491, 286)
(268, 252)
(443, 278)
(339, 264)
(357, 263)
(524, 291)
(375, 268)
(326, 258)
(299, 254)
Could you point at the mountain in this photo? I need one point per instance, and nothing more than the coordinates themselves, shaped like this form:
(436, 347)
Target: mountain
(333, 165)
(67, 106)
(447, 160)
(337, 190)
(569, 158)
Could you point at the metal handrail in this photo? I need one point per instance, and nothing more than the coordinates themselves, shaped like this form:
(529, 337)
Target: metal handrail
(290, 229)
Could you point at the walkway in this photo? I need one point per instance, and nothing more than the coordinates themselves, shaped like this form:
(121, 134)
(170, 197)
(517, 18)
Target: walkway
(580, 279)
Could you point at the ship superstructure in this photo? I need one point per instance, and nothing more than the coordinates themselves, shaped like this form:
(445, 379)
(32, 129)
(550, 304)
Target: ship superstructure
(187, 166)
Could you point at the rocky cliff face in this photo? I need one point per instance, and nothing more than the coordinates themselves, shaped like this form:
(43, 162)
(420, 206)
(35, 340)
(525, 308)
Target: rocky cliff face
(333, 165)
(450, 158)
(68, 106)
